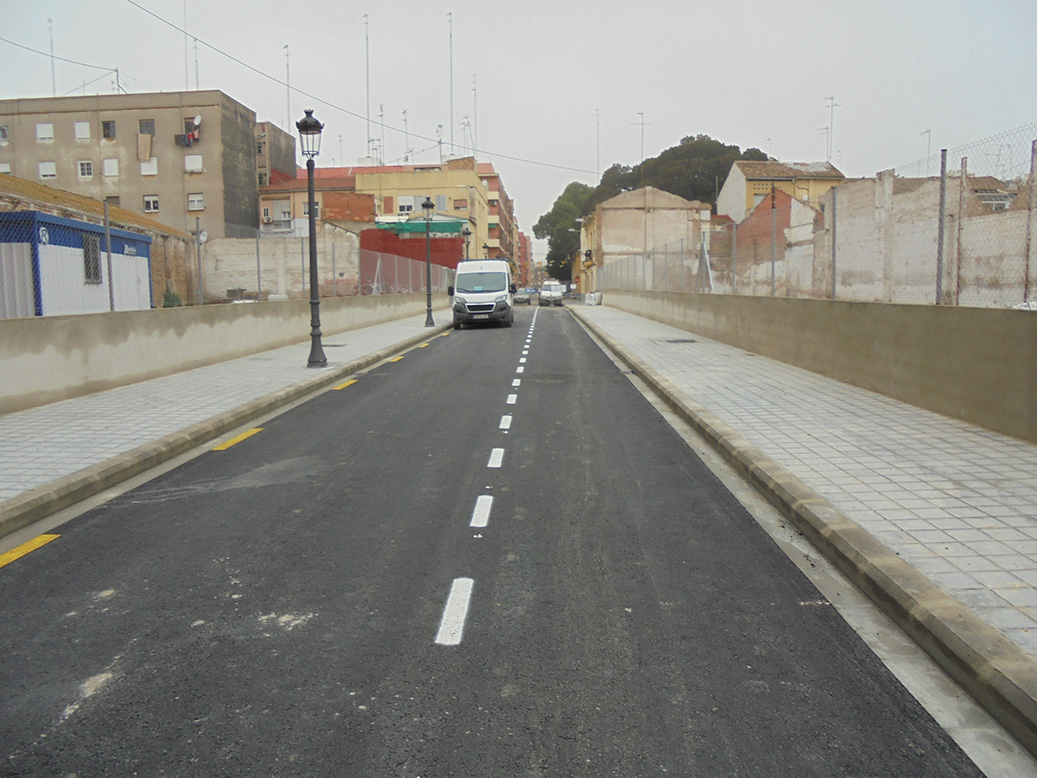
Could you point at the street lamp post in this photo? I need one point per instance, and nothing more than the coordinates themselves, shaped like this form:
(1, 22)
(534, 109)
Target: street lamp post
(427, 206)
(309, 135)
(467, 237)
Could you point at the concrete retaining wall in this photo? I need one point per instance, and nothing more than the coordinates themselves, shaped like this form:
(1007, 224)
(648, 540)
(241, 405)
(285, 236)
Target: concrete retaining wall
(974, 364)
(53, 358)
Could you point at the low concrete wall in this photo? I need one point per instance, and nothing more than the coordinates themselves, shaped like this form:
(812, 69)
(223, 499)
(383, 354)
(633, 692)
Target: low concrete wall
(974, 364)
(53, 358)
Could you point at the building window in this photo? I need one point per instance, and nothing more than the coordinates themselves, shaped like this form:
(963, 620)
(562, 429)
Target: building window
(108, 130)
(262, 179)
(306, 209)
(112, 200)
(440, 203)
(110, 167)
(405, 204)
(460, 205)
(48, 170)
(149, 168)
(5, 167)
(150, 203)
(147, 126)
(259, 148)
(45, 132)
(86, 169)
(92, 259)
(82, 130)
(196, 202)
(193, 164)
(3, 134)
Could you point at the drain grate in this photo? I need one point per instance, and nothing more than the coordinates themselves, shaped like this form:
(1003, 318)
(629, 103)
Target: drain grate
(682, 340)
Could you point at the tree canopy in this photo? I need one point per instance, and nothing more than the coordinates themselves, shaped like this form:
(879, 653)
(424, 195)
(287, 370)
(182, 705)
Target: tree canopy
(694, 169)
(561, 229)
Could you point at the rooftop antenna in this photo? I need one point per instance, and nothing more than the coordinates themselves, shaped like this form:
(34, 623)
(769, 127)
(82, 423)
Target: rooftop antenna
(406, 139)
(642, 123)
(287, 87)
(597, 141)
(475, 116)
(439, 136)
(187, 67)
(827, 132)
(367, 62)
(53, 77)
(450, 18)
(381, 134)
(831, 124)
(197, 88)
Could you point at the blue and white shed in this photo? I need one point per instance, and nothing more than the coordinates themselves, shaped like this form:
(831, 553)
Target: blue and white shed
(50, 266)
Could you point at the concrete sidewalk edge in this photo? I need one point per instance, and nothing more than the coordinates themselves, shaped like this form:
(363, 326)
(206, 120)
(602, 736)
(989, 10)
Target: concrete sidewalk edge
(990, 667)
(44, 500)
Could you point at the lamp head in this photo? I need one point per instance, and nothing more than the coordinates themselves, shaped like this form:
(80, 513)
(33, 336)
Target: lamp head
(309, 134)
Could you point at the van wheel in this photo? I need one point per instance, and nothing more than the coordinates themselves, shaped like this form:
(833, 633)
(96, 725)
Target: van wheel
(457, 324)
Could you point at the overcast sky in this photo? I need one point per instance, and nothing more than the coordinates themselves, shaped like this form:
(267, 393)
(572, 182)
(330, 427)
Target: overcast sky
(556, 90)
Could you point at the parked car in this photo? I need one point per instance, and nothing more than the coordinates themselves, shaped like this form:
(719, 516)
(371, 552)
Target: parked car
(522, 297)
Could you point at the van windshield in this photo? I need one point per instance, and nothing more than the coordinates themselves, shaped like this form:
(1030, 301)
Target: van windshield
(490, 281)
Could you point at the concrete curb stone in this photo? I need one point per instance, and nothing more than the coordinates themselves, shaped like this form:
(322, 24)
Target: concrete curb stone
(992, 669)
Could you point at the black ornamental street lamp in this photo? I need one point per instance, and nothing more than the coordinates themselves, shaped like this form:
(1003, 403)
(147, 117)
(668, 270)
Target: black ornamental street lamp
(427, 207)
(309, 136)
(467, 237)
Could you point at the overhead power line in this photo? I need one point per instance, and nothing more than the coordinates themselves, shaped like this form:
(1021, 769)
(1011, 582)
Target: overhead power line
(333, 106)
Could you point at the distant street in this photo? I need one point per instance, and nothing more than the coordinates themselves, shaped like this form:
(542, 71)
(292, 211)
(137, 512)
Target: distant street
(490, 557)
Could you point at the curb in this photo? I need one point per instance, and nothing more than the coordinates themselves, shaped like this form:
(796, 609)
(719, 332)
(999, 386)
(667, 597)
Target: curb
(46, 499)
(990, 667)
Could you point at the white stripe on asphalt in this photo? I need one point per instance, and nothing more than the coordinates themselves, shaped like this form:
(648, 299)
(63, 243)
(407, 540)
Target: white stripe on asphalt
(496, 457)
(481, 514)
(516, 382)
(451, 626)
(505, 422)
(512, 399)
(520, 369)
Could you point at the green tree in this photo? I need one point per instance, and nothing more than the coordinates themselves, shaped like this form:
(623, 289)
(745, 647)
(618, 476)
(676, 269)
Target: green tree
(562, 230)
(694, 169)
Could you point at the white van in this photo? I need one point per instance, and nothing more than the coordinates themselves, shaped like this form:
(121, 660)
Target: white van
(482, 292)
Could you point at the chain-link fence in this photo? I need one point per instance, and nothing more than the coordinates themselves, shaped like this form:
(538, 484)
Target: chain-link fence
(956, 228)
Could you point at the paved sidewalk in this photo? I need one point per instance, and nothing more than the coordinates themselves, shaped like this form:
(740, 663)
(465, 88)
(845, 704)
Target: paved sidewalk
(952, 506)
(58, 454)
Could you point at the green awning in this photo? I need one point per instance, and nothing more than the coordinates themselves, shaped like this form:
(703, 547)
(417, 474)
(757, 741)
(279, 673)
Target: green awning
(442, 227)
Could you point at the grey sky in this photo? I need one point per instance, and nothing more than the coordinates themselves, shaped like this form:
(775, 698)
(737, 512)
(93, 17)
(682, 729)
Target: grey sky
(550, 77)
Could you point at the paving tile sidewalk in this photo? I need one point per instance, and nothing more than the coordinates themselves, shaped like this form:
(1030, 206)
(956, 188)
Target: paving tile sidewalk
(955, 501)
(54, 454)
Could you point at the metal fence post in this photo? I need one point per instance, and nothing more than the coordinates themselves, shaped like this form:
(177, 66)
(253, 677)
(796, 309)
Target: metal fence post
(940, 226)
(734, 258)
(834, 228)
(1029, 226)
(259, 276)
(774, 245)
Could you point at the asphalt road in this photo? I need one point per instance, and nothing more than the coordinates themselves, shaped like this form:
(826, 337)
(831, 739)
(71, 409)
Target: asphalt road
(474, 561)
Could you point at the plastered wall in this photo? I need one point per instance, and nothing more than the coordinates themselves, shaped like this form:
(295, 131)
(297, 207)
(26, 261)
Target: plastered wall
(50, 358)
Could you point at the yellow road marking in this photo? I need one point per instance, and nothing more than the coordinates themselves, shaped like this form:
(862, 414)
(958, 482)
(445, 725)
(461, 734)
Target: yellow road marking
(423, 345)
(238, 439)
(396, 359)
(350, 382)
(17, 553)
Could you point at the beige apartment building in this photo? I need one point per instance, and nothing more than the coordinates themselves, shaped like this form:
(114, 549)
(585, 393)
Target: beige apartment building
(185, 159)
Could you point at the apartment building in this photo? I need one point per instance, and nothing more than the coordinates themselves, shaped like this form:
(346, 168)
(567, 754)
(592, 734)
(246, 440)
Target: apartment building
(185, 159)
(501, 229)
